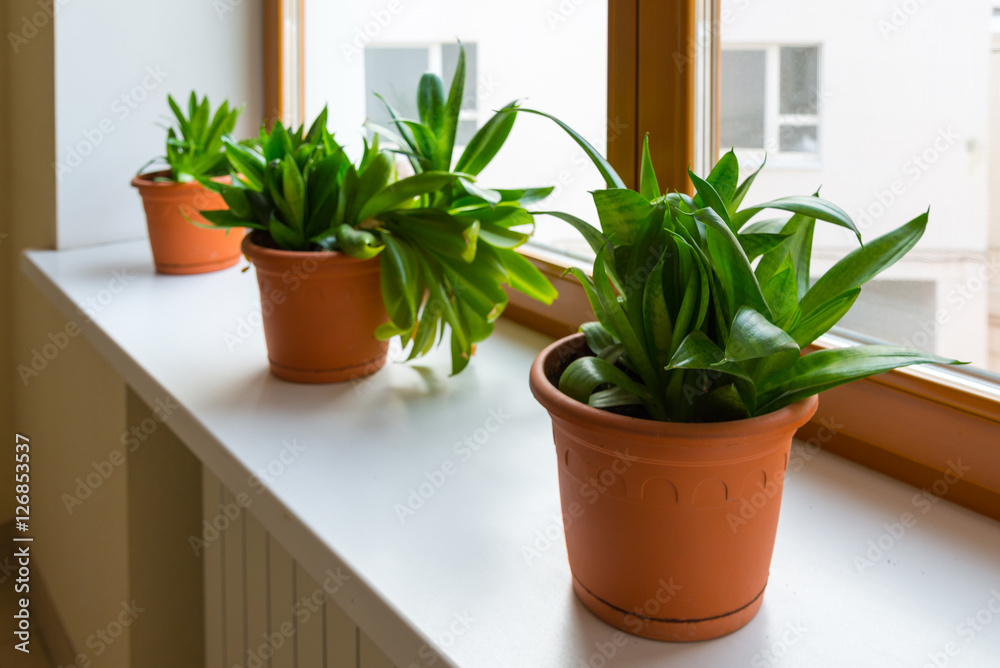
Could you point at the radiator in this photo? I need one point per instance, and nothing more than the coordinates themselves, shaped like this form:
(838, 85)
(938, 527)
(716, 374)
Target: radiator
(261, 608)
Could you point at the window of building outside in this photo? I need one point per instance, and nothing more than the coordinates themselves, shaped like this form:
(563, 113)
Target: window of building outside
(550, 57)
(870, 91)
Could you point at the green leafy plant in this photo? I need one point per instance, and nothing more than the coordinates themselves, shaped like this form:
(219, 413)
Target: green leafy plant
(195, 142)
(443, 262)
(703, 311)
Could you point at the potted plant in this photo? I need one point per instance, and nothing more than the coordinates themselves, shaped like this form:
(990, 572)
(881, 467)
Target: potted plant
(173, 197)
(348, 256)
(680, 403)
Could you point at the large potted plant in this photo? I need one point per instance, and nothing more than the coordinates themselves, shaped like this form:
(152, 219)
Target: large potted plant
(348, 256)
(680, 403)
(173, 197)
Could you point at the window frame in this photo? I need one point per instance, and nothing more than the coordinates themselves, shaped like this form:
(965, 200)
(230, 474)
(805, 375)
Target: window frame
(909, 424)
(774, 119)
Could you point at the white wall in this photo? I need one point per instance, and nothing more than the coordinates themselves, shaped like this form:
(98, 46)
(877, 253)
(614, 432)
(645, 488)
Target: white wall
(893, 83)
(551, 54)
(115, 63)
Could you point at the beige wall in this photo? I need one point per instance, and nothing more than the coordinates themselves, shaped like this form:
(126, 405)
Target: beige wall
(83, 556)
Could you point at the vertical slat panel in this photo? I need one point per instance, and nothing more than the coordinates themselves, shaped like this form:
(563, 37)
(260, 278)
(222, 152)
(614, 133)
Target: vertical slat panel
(310, 633)
(214, 627)
(282, 597)
(371, 656)
(230, 516)
(258, 615)
(341, 638)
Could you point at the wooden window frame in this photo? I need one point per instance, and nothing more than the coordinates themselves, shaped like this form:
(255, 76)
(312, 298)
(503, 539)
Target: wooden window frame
(911, 424)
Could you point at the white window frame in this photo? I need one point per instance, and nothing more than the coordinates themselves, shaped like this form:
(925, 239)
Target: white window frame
(774, 119)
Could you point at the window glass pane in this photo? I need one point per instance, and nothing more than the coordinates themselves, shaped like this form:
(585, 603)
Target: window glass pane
(552, 58)
(910, 116)
(797, 139)
(742, 103)
(799, 80)
(393, 73)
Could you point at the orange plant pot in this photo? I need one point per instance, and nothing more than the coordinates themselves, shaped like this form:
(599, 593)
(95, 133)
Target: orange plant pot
(178, 246)
(669, 527)
(320, 312)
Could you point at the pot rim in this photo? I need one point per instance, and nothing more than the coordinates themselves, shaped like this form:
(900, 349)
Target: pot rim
(252, 250)
(145, 180)
(563, 407)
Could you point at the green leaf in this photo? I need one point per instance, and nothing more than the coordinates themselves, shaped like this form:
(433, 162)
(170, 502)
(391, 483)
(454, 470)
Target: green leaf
(584, 375)
(524, 196)
(487, 141)
(648, 185)
(500, 236)
(453, 107)
(812, 207)
(591, 234)
(621, 213)
(732, 264)
(723, 178)
(597, 337)
(525, 277)
(707, 196)
(753, 337)
(247, 162)
(826, 369)
(611, 177)
(697, 351)
(864, 263)
(780, 290)
(430, 102)
(399, 277)
(395, 194)
(743, 189)
(358, 243)
(285, 237)
(294, 189)
(821, 319)
(225, 218)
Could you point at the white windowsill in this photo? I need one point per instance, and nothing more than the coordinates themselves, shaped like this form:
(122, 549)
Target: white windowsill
(462, 552)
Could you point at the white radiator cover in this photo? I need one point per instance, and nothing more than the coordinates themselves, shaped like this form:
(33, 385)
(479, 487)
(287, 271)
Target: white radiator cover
(262, 610)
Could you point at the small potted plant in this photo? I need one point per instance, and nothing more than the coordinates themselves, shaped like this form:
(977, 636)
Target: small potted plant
(173, 197)
(681, 402)
(348, 256)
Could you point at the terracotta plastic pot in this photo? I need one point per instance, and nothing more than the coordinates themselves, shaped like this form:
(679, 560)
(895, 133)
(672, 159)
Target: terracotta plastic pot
(320, 312)
(669, 527)
(178, 246)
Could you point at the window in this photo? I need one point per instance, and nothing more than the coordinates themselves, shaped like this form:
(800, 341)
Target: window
(770, 100)
(394, 72)
(902, 131)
